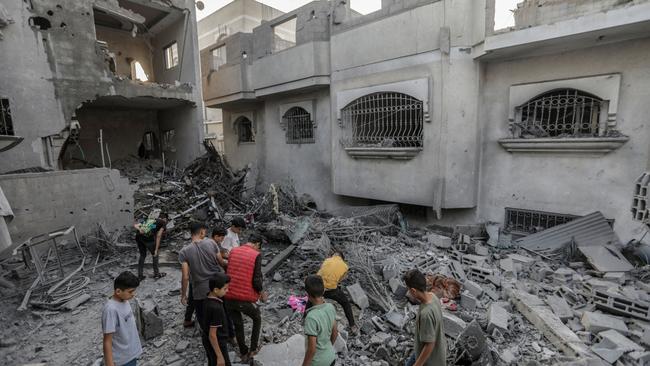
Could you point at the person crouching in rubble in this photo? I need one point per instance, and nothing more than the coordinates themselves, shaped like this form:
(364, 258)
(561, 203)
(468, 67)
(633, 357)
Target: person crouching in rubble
(149, 237)
(430, 344)
(121, 343)
(246, 288)
(215, 337)
(333, 271)
(320, 325)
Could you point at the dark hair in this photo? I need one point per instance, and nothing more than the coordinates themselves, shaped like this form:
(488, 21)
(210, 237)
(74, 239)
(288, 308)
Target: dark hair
(339, 253)
(196, 227)
(126, 280)
(314, 286)
(256, 239)
(238, 222)
(163, 215)
(415, 279)
(218, 231)
(218, 280)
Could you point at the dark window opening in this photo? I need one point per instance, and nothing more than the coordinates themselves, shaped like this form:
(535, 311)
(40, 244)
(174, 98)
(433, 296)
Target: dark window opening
(245, 130)
(168, 140)
(40, 22)
(300, 127)
(384, 120)
(171, 55)
(562, 112)
(6, 124)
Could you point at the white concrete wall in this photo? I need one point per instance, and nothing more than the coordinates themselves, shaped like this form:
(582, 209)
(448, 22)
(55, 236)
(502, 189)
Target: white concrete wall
(568, 183)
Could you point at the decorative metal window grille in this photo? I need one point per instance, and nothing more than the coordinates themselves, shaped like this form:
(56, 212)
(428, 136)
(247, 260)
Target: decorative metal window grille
(299, 125)
(245, 130)
(563, 112)
(6, 124)
(384, 120)
(520, 221)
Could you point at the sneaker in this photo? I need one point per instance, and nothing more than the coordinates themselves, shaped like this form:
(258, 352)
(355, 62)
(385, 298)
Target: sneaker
(159, 275)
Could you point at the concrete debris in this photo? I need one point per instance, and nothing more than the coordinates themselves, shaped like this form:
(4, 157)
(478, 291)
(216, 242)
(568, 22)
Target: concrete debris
(596, 322)
(606, 258)
(148, 319)
(453, 325)
(472, 341)
(560, 307)
(290, 352)
(74, 303)
(439, 241)
(358, 296)
(498, 318)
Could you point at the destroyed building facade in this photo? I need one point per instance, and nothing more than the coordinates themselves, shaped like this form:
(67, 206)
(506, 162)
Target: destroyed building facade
(423, 103)
(86, 84)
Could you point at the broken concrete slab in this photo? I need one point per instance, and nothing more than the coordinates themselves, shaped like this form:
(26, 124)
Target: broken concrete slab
(619, 340)
(290, 352)
(278, 259)
(533, 308)
(439, 241)
(597, 322)
(150, 324)
(560, 307)
(453, 325)
(74, 303)
(358, 296)
(498, 318)
(473, 288)
(396, 319)
(606, 258)
(468, 301)
(472, 340)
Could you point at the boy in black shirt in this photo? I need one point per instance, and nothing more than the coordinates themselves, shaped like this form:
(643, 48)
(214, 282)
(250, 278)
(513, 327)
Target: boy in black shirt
(215, 334)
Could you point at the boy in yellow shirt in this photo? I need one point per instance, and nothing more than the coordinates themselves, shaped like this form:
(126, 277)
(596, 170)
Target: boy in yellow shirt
(333, 270)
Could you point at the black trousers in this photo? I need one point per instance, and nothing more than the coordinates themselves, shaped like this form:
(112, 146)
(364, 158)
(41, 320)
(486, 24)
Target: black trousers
(146, 244)
(211, 354)
(339, 296)
(235, 310)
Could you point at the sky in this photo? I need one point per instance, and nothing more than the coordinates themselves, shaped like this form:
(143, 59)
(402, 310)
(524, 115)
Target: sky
(503, 17)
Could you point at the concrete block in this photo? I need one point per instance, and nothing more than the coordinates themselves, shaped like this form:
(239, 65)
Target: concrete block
(380, 338)
(290, 352)
(473, 288)
(498, 318)
(181, 346)
(468, 301)
(358, 296)
(453, 325)
(560, 307)
(481, 250)
(396, 319)
(148, 318)
(439, 241)
(596, 322)
(612, 337)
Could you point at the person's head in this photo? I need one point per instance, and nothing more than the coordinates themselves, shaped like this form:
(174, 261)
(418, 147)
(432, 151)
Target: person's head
(124, 285)
(219, 284)
(338, 253)
(314, 286)
(256, 241)
(416, 282)
(198, 230)
(237, 225)
(163, 216)
(218, 234)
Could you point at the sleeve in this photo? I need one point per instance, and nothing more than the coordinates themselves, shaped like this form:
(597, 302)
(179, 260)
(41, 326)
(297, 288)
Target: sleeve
(311, 327)
(258, 278)
(109, 320)
(428, 327)
(214, 318)
(182, 256)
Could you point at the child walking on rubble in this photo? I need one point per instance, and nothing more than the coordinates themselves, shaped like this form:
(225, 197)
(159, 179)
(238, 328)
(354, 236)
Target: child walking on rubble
(320, 326)
(121, 343)
(215, 334)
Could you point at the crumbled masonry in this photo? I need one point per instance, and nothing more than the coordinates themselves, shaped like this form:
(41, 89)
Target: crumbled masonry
(500, 306)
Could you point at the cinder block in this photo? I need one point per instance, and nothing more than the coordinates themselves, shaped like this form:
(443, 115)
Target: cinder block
(468, 301)
(498, 318)
(358, 296)
(596, 322)
(473, 287)
(453, 325)
(439, 241)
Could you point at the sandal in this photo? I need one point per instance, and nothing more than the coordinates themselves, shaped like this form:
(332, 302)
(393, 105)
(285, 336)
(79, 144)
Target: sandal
(159, 275)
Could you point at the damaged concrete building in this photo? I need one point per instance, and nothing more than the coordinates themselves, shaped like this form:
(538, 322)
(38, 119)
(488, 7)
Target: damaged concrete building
(423, 103)
(86, 84)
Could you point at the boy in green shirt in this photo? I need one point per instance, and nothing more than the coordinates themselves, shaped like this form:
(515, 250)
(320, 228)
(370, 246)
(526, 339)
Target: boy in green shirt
(430, 343)
(320, 326)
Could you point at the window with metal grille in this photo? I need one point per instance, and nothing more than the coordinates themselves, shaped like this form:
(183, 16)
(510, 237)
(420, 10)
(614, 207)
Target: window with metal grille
(300, 126)
(384, 119)
(562, 112)
(171, 55)
(245, 131)
(520, 221)
(6, 124)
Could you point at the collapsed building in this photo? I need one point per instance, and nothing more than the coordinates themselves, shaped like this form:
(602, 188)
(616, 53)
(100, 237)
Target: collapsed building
(424, 104)
(85, 85)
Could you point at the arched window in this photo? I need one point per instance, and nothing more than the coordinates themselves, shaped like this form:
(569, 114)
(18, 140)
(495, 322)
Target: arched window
(560, 112)
(385, 119)
(299, 125)
(245, 131)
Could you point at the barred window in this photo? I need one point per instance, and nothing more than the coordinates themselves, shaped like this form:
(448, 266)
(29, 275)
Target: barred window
(558, 113)
(245, 131)
(299, 125)
(385, 119)
(6, 125)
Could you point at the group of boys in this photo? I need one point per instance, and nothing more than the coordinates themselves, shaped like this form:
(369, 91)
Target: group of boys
(222, 279)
